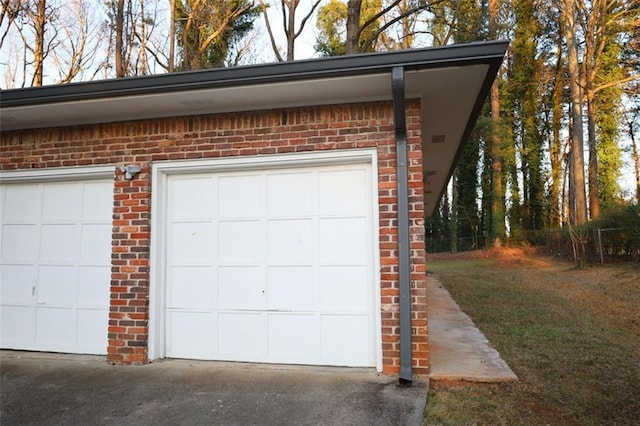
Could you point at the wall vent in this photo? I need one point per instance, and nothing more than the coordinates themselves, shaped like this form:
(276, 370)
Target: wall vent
(438, 138)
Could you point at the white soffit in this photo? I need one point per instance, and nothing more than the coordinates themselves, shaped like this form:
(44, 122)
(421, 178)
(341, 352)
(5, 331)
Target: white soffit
(446, 109)
(208, 101)
(337, 90)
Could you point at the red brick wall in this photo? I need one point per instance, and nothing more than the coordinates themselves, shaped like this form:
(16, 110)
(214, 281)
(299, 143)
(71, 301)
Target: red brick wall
(241, 134)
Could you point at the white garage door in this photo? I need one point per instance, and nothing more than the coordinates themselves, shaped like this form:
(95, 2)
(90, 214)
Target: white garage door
(272, 266)
(55, 265)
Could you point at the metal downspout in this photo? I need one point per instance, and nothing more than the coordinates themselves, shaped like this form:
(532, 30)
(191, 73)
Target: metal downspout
(404, 261)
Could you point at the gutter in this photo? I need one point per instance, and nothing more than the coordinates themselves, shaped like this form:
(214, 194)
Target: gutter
(404, 261)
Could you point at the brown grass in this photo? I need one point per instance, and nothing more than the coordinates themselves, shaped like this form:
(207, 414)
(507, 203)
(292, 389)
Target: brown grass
(572, 336)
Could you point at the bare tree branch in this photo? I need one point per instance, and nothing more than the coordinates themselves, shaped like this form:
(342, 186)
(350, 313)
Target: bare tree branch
(270, 31)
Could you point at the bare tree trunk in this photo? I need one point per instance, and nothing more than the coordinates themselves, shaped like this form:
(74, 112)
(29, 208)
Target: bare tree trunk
(354, 8)
(555, 144)
(498, 230)
(636, 159)
(578, 197)
(172, 38)
(407, 30)
(564, 204)
(120, 69)
(38, 53)
(594, 193)
(272, 38)
(594, 25)
(288, 9)
(144, 62)
(454, 214)
(289, 29)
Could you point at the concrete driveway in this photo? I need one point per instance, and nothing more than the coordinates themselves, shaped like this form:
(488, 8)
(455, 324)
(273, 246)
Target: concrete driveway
(44, 389)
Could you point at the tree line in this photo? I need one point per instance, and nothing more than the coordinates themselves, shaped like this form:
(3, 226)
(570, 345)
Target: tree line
(548, 150)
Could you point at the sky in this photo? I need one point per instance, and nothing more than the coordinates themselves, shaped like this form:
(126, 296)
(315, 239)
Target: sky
(261, 44)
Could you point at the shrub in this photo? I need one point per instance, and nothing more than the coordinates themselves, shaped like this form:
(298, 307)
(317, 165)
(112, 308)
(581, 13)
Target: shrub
(623, 239)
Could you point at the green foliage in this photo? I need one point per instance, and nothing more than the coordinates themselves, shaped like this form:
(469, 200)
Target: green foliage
(608, 118)
(523, 116)
(438, 228)
(486, 185)
(470, 25)
(617, 229)
(331, 25)
(470, 28)
(624, 223)
(467, 175)
(330, 40)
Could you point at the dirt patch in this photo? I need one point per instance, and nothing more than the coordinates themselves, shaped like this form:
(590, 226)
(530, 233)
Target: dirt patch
(503, 256)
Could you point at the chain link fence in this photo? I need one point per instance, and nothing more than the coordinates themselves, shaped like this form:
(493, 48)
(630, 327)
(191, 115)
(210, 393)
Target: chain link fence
(597, 245)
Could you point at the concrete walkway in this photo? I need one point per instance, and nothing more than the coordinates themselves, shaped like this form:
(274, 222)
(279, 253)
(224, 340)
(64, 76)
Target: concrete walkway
(458, 350)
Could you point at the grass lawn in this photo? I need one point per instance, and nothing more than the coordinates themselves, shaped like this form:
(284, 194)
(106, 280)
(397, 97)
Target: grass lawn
(572, 337)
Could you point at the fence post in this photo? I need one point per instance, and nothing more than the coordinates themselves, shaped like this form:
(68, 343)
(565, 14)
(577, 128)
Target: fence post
(600, 245)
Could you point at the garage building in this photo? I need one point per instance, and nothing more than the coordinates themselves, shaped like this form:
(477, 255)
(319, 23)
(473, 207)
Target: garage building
(270, 213)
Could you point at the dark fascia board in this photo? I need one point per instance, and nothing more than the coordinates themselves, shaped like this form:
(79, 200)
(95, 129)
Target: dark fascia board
(489, 52)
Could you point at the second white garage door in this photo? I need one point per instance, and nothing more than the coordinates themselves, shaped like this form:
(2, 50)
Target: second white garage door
(272, 266)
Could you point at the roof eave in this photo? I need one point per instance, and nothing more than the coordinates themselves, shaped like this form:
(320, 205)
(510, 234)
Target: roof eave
(453, 55)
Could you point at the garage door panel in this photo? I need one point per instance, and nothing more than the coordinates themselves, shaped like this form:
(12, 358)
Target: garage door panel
(240, 196)
(94, 286)
(241, 288)
(191, 243)
(95, 244)
(289, 194)
(241, 336)
(88, 321)
(97, 200)
(61, 201)
(239, 242)
(345, 340)
(57, 285)
(22, 203)
(20, 243)
(192, 198)
(18, 326)
(48, 329)
(291, 338)
(60, 243)
(191, 287)
(290, 241)
(344, 240)
(191, 335)
(290, 288)
(341, 192)
(344, 288)
(17, 283)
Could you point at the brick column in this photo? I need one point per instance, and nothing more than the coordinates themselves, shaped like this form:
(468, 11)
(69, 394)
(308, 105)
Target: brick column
(419, 326)
(388, 234)
(129, 303)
